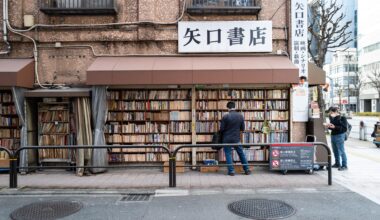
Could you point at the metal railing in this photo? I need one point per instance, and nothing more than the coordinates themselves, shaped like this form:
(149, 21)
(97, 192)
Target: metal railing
(14, 155)
(76, 4)
(221, 3)
(173, 158)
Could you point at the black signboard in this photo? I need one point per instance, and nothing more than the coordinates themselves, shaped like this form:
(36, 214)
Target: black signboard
(291, 157)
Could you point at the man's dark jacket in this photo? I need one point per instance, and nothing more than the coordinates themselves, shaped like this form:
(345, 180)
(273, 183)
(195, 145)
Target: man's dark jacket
(340, 123)
(230, 127)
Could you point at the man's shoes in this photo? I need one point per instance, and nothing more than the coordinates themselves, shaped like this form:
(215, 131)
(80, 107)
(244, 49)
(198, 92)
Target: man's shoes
(231, 174)
(247, 172)
(342, 168)
(335, 166)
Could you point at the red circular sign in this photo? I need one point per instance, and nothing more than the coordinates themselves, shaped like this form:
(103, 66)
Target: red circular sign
(275, 163)
(275, 153)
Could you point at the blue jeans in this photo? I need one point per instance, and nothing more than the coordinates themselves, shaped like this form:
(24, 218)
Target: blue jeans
(228, 153)
(337, 143)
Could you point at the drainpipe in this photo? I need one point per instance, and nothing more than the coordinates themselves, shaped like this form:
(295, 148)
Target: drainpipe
(5, 29)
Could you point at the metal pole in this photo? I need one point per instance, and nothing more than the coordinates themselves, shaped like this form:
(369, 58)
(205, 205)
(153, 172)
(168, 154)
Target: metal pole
(171, 184)
(174, 172)
(329, 169)
(13, 172)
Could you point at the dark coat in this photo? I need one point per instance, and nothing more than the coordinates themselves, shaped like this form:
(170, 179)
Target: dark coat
(340, 123)
(230, 127)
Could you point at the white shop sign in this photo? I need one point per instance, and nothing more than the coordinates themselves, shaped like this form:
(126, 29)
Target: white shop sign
(300, 108)
(224, 36)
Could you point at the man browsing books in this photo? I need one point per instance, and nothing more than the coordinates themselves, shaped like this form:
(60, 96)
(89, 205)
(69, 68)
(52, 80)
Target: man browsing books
(230, 127)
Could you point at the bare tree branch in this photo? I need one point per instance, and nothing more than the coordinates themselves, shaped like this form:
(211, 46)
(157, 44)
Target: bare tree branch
(325, 29)
(374, 80)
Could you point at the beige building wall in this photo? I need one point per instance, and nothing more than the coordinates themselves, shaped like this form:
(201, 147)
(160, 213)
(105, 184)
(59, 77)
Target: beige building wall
(81, 45)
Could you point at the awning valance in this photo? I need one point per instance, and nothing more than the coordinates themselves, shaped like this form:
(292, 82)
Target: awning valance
(191, 70)
(17, 72)
(64, 92)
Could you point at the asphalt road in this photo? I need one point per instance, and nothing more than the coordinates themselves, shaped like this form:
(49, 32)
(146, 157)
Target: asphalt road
(310, 204)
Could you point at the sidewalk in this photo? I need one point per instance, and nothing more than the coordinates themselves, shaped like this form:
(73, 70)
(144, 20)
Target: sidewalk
(363, 174)
(261, 177)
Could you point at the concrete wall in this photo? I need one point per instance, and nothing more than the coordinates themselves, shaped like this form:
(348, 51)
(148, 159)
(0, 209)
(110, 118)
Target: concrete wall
(68, 65)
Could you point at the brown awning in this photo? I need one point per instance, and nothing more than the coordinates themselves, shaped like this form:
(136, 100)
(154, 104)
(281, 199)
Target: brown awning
(317, 76)
(191, 70)
(17, 72)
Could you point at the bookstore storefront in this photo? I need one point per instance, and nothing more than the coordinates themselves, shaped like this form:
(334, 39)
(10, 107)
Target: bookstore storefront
(181, 100)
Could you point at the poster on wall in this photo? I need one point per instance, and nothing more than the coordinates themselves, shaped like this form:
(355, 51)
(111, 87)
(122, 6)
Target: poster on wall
(224, 36)
(300, 92)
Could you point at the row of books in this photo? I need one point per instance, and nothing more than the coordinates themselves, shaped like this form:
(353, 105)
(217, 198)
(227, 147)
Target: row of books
(242, 94)
(55, 127)
(169, 94)
(204, 138)
(277, 115)
(211, 105)
(9, 133)
(149, 105)
(3, 155)
(6, 97)
(127, 95)
(157, 138)
(277, 105)
(53, 139)
(149, 116)
(151, 94)
(10, 143)
(210, 115)
(250, 154)
(180, 115)
(9, 121)
(150, 138)
(253, 137)
(201, 156)
(53, 154)
(201, 94)
(128, 150)
(179, 127)
(277, 94)
(207, 127)
(147, 127)
(275, 126)
(253, 115)
(278, 137)
(53, 115)
(7, 109)
(207, 94)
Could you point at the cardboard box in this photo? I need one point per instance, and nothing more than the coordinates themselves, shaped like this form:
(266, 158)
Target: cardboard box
(178, 169)
(4, 163)
(209, 169)
(238, 168)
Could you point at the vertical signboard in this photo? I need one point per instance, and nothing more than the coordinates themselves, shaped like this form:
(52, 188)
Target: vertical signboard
(300, 59)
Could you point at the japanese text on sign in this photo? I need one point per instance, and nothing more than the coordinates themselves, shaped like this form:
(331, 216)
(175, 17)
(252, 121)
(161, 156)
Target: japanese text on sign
(299, 36)
(225, 36)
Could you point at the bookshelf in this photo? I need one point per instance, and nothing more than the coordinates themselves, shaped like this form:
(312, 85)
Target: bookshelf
(9, 126)
(54, 129)
(259, 107)
(156, 116)
(164, 116)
